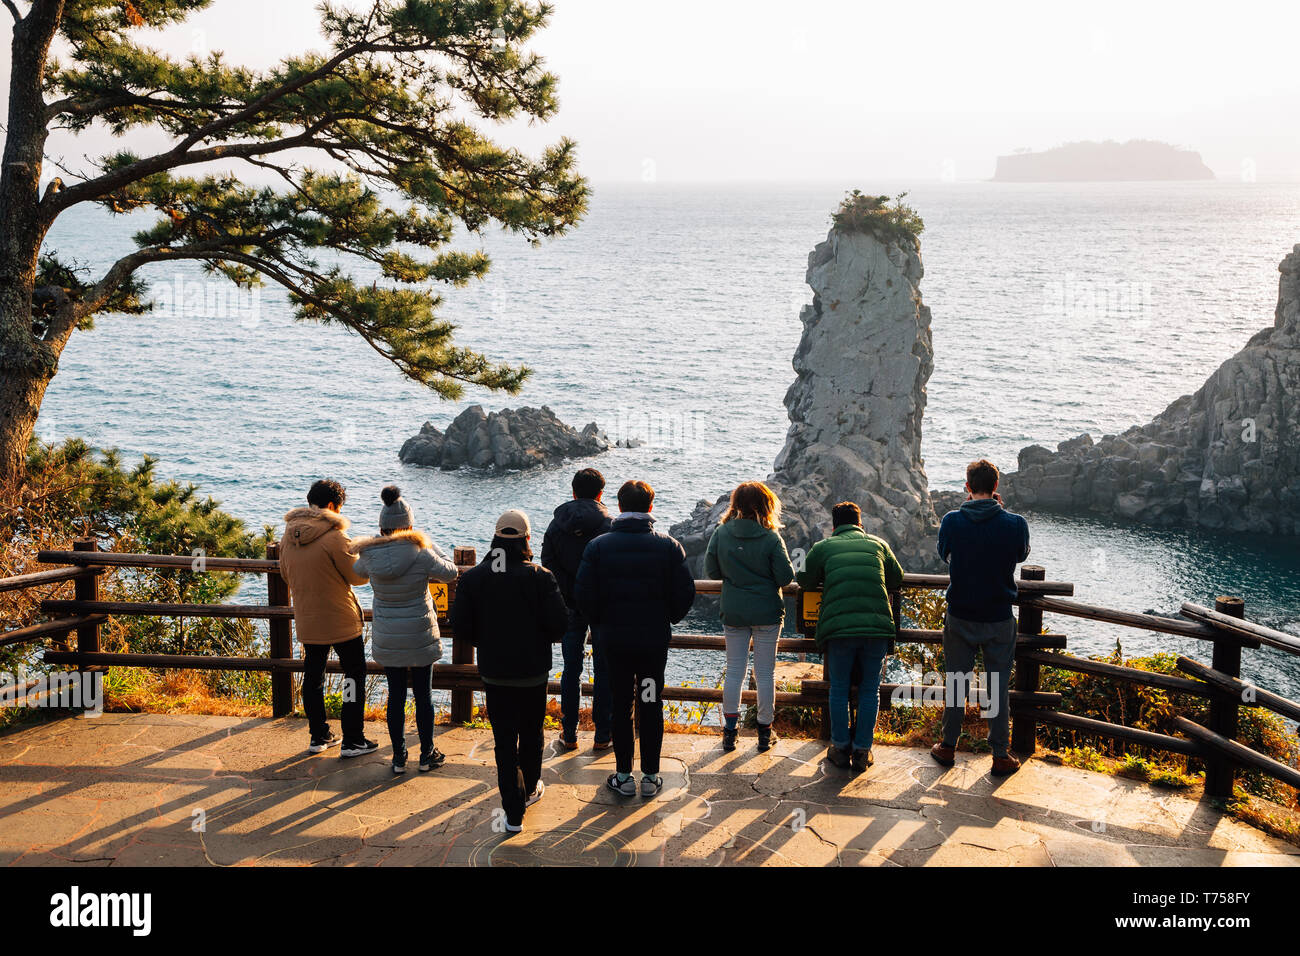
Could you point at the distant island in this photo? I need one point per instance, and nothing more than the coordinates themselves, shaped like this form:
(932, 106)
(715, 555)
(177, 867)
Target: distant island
(1136, 160)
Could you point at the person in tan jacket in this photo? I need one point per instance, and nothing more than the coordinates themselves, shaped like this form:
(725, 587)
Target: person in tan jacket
(316, 563)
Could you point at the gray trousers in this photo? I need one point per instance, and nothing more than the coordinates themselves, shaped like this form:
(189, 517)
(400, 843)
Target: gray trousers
(996, 641)
(765, 638)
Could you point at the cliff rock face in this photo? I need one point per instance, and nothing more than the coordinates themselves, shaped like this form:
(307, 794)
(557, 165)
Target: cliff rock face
(856, 404)
(1226, 457)
(511, 439)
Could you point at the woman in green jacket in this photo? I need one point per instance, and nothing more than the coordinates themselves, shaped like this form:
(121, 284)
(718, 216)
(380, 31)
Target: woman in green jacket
(747, 553)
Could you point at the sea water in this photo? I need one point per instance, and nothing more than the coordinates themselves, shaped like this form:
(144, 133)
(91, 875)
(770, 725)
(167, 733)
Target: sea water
(670, 316)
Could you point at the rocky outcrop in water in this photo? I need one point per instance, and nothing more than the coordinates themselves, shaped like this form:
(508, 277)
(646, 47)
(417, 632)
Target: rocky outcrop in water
(1136, 160)
(1226, 457)
(856, 404)
(511, 439)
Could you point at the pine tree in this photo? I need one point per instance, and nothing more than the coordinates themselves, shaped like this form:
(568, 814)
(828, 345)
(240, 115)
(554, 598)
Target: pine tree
(387, 114)
(68, 491)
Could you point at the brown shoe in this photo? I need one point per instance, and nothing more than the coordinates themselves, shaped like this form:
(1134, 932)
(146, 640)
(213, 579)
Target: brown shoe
(944, 754)
(1005, 766)
(840, 758)
(602, 745)
(567, 744)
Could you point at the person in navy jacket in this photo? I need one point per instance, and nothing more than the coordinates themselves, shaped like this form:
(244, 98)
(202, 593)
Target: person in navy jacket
(632, 586)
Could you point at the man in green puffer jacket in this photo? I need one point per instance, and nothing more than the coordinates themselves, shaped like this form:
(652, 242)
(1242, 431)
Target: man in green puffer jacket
(856, 571)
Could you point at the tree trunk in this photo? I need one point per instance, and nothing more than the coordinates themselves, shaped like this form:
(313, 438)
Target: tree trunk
(27, 361)
(24, 375)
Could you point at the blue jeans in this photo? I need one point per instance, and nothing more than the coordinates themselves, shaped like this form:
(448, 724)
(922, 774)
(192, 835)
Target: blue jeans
(841, 654)
(575, 640)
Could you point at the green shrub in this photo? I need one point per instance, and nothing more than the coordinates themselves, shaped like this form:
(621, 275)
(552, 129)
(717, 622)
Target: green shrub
(1154, 709)
(1084, 758)
(889, 220)
(71, 491)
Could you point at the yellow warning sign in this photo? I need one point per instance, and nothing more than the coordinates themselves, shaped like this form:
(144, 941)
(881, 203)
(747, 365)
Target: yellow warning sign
(440, 597)
(810, 603)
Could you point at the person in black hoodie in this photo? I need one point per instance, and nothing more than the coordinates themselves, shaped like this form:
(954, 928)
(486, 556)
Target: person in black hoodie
(572, 528)
(633, 585)
(511, 610)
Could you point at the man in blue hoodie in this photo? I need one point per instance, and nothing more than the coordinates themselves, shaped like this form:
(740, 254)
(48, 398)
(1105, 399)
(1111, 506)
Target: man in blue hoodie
(982, 544)
(572, 528)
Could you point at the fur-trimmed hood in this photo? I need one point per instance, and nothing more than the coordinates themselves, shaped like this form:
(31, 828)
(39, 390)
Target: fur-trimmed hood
(390, 555)
(406, 534)
(304, 525)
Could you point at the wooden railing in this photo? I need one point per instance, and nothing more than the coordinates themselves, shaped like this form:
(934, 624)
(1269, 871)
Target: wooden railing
(1219, 683)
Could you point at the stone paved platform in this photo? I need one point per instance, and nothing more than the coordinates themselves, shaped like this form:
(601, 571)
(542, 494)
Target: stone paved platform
(128, 790)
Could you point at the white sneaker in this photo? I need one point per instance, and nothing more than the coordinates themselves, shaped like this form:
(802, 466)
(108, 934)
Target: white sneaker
(359, 748)
(536, 794)
(514, 828)
(322, 743)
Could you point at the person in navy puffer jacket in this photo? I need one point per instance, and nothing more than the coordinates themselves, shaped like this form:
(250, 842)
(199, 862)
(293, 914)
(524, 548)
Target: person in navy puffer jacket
(632, 586)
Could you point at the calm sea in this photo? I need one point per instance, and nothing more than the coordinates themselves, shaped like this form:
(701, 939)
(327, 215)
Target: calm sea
(670, 315)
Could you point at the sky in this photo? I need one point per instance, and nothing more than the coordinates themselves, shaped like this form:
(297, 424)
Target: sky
(717, 91)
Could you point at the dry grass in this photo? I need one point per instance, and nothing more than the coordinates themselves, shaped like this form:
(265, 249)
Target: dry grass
(133, 690)
(1281, 822)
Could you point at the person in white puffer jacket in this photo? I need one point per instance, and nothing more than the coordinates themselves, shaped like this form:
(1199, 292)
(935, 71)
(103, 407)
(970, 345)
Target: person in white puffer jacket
(400, 563)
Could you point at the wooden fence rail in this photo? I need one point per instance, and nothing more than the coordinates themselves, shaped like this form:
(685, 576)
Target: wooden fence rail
(1219, 684)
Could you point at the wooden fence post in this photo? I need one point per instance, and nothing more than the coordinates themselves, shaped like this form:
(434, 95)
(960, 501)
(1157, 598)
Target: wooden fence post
(896, 609)
(825, 731)
(281, 633)
(86, 588)
(462, 651)
(1024, 730)
(1219, 770)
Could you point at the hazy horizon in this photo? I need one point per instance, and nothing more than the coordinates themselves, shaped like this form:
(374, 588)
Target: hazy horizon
(694, 93)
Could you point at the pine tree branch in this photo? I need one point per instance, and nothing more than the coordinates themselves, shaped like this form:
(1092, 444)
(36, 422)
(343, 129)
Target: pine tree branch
(101, 186)
(287, 274)
(181, 155)
(72, 106)
(387, 106)
(271, 96)
(73, 311)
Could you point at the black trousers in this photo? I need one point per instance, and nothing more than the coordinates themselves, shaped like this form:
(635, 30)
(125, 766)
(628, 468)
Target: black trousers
(517, 715)
(352, 655)
(420, 678)
(636, 681)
